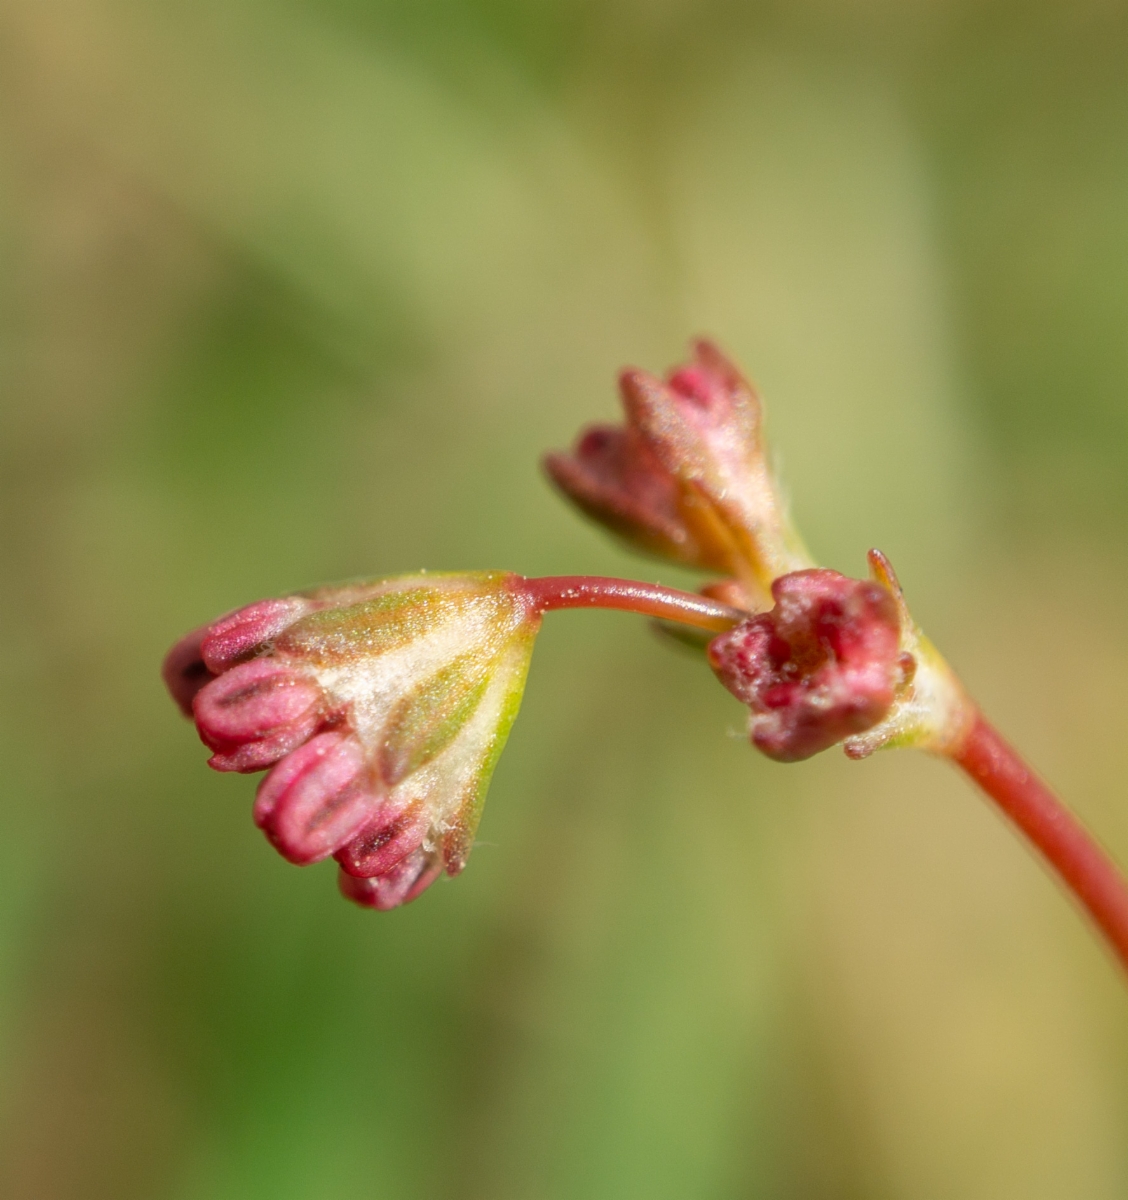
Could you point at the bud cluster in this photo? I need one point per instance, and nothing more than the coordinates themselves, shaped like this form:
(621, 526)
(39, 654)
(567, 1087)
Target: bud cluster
(381, 709)
(687, 477)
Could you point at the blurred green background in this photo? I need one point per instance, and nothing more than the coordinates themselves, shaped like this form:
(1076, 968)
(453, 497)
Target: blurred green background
(299, 291)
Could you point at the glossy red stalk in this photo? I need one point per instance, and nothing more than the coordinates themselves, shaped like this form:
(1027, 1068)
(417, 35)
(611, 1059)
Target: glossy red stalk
(646, 599)
(1068, 847)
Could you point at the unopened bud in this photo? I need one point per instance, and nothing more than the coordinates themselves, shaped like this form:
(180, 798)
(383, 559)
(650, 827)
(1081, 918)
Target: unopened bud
(184, 671)
(688, 476)
(316, 798)
(393, 832)
(399, 884)
(255, 713)
(616, 479)
(241, 633)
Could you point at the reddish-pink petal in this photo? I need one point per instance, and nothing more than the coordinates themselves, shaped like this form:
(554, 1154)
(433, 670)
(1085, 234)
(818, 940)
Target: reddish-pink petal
(316, 799)
(401, 884)
(235, 636)
(184, 671)
(253, 701)
(615, 478)
(394, 833)
(257, 756)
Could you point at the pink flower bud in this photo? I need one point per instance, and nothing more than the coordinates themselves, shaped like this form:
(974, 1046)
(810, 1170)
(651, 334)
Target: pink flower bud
(397, 886)
(256, 712)
(184, 671)
(615, 478)
(240, 634)
(201, 655)
(384, 707)
(823, 665)
(704, 424)
(396, 831)
(687, 477)
(316, 799)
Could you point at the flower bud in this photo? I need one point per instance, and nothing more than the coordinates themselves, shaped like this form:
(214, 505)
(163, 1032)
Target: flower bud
(255, 713)
(398, 885)
(823, 664)
(616, 479)
(383, 708)
(393, 832)
(316, 798)
(688, 476)
(184, 671)
(239, 634)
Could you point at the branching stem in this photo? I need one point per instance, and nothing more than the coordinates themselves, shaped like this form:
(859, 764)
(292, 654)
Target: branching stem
(1065, 844)
(1068, 847)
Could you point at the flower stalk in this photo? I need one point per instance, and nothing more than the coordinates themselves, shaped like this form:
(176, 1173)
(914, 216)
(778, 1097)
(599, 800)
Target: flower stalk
(1070, 850)
(644, 599)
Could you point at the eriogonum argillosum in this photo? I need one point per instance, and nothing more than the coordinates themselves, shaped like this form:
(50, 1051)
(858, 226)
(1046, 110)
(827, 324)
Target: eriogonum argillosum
(380, 708)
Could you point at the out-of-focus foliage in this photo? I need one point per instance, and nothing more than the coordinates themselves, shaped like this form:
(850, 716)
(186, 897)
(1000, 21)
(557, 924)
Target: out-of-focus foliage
(298, 291)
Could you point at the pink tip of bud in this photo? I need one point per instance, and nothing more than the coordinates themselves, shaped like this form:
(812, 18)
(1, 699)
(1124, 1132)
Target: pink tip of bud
(707, 393)
(184, 671)
(395, 832)
(822, 665)
(699, 383)
(255, 713)
(401, 884)
(614, 477)
(238, 634)
(316, 799)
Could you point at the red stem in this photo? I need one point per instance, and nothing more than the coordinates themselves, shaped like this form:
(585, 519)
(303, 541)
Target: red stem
(1069, 848)
(646, 599)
